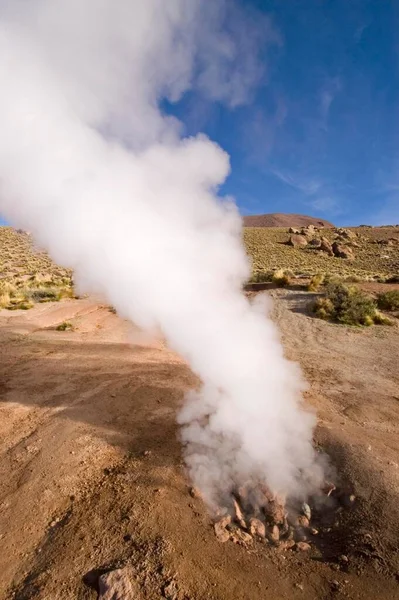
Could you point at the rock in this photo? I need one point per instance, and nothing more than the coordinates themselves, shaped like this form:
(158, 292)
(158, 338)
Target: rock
(239, 517)
(171, 590)
(346, 233)
(195, 493)
(302, 521)
(305, 509)
(315, 243)
(325, 246)
(257, 528)
(314, 531)
(275, 512)
(309, 230)
(341, 251)
(343, 559)
(241, 537)
(293, 230)
(274, 534)
(298, 241)
(303, 547)
(335, 585)
(118, 585)
(287, 545)
(220, 529)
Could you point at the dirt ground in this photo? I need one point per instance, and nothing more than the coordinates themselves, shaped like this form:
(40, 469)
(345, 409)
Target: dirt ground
(92, 475)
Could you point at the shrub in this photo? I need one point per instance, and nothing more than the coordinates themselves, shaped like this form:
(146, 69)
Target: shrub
(380, 319)
(323, 308)
(64, 326)
(281, 278)
(261, 277)
(315, 283)
(388, 300)
(349, 306)
(44, 294)
(393, 279)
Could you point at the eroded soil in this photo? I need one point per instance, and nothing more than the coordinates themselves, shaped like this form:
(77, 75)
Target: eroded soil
(92, 475)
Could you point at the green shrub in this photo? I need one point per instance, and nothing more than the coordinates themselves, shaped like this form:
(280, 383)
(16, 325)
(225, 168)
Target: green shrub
(388, 300)
(316, 281)
(348, 305)
(65, 326)
(261, 277)
(281, 278)
(323, 308)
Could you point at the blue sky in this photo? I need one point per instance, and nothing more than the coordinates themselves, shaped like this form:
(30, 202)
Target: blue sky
(321, 134)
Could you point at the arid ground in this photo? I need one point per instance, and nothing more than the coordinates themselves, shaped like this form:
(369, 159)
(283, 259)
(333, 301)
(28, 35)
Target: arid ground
(92, 476)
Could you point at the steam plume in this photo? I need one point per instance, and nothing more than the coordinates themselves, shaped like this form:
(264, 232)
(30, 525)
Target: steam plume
(103, 179)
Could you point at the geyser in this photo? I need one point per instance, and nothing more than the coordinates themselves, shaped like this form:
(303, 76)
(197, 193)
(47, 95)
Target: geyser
(107, 182)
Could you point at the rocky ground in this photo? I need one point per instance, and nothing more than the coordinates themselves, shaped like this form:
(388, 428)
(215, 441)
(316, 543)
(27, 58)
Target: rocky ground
(93, 491)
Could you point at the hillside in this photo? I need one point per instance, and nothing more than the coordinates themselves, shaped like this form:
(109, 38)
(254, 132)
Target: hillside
(267, 247)
(284, 220)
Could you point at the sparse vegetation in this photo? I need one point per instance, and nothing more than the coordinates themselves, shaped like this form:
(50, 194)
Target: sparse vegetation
(65, 326)
(28, 275)
(281, 278)
(388, 300)
(261, 277)
(315, 282)
(268, 250)
(348, 305)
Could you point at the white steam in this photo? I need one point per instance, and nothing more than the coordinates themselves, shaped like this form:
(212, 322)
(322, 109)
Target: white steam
(102, 178)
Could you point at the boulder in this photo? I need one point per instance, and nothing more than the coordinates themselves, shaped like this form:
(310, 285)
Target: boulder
(298, 241)
(342, 251)
(325, 246)
(315, 243)
(118, 585)
(257, 528)
(308, 231)
(293, 230)
(220, 526)
(346, 233)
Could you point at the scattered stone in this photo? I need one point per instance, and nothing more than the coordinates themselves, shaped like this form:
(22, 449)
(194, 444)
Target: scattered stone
(195, 493)
(293, 230)
(305, 508)
(335, 585)
(314, 531)
(302, 547)
(343, 559)
(315, 243)
(325, 246)
(257, 528)
(241, 537)
(275, 512)
(147, 453)
(171, 591)
(287, 545)
(341, 251)
(309, 230)
(299, 586)
(274, 534)
(298, 241)
(346, 233)
(220, 529)
(302, 521)
(239, 517)
(118, 585)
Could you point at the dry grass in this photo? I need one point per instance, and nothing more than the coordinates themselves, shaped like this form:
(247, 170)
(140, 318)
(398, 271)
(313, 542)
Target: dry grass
(28, 275)
(268, 251)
